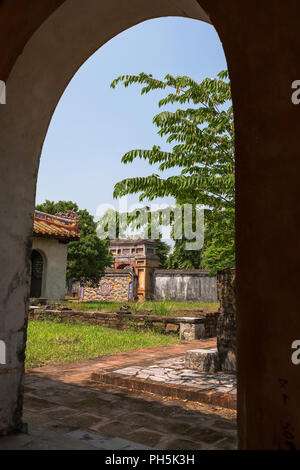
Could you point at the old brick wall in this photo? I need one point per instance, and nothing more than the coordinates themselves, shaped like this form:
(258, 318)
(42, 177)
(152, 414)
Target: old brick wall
(226, 325)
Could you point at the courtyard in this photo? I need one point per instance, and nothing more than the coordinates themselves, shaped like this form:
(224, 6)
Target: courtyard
(67, 407)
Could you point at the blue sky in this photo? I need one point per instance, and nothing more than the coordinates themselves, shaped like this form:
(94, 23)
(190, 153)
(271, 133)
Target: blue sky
(94, 125)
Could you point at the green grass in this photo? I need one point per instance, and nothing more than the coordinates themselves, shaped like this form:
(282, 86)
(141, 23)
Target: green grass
(165, 307)
(51, 342)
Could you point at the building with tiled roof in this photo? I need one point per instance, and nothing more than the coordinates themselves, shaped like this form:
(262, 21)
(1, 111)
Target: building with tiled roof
(135, 276)
(51, 235)
(56, 228)
(130, 279)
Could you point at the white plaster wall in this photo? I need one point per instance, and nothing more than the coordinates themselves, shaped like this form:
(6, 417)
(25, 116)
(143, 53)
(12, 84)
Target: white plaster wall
(55, 267)
(185, 288)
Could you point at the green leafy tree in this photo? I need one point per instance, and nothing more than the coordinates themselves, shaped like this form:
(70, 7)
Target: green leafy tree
(162, 250)
(203, 150)
(219, 248)
(88, 257)
(181, 258)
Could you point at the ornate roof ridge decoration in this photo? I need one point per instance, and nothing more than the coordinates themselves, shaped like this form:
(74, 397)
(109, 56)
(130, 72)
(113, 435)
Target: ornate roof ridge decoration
(58, 227)
(69, 215)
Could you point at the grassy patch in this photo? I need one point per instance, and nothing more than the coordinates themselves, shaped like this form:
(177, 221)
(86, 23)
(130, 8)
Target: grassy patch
(164, 308)
(51, 342)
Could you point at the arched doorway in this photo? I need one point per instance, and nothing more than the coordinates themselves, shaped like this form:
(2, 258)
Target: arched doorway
(37, 272)
(54, 49)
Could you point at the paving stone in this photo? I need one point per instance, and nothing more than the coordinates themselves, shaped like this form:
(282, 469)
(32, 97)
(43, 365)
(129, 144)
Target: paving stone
(58, 412)
(144, 375)
(42, 439)
(158, 379)
(227, 444)
(183, 444)
(154, 409)
(106, 444)
(38, 420)
(145, 437)
(206, 435)
(37, 404)
(58, 427)
(227, 425)
(116, 428)
(178, 427)
(147, 420)
(84, 420)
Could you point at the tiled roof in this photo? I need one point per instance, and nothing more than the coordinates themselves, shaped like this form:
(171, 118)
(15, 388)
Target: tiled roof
(49, 226)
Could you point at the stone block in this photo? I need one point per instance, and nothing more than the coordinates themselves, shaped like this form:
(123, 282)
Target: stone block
(192, 331)
(203, 360)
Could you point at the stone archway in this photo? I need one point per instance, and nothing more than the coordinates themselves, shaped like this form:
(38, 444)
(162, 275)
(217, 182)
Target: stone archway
(50, 58)
(262, 45)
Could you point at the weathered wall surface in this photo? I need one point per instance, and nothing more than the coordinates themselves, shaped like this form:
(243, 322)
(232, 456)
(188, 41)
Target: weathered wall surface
(226, 326)
(184, 286)
(55, 266)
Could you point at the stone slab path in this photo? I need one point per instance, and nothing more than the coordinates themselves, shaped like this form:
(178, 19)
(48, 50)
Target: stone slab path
(66, 402)
(215, 388)
(170, 377)
(173, 371)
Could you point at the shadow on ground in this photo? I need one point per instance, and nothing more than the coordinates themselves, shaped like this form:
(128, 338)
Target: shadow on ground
(142, 419)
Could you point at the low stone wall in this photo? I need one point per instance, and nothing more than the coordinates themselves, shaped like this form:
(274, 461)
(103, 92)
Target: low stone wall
(187, 327)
